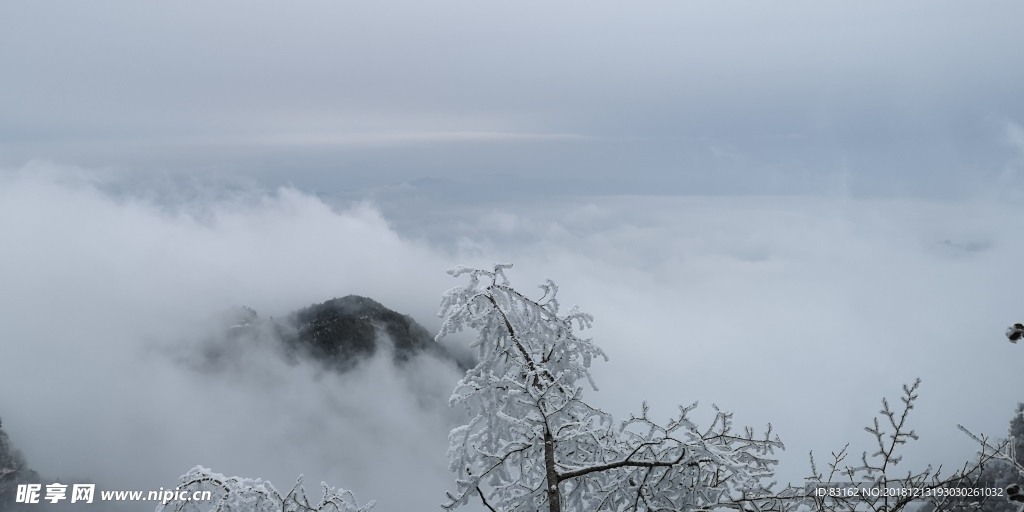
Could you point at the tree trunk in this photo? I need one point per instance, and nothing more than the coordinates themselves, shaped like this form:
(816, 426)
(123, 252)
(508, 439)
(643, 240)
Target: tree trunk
(554, 497)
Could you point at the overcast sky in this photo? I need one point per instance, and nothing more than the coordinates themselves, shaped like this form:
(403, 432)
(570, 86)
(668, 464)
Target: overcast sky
(788, 209)
(869, 98)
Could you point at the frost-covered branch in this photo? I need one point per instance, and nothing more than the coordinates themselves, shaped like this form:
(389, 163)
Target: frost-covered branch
(1015, 332)
(236, 494)
(962, 490)
(533, 443)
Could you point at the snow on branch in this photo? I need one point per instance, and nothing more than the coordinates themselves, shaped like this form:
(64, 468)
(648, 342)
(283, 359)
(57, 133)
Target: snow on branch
(236, 494)
(955, 491)
(533, 441)
(1015, 332)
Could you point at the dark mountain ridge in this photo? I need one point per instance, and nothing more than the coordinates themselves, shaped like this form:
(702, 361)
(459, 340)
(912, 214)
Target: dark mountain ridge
(343, 331)
(337, 334)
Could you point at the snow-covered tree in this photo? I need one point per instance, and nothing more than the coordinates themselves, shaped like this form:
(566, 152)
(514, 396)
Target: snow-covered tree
(534, 443)
(14, 470)
(235, 494)
(979, 486)
(1015, 332)
(930, 489)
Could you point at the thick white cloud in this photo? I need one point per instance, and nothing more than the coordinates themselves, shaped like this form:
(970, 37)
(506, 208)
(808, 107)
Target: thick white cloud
(802, 312)
(482, 133)
(101, 297)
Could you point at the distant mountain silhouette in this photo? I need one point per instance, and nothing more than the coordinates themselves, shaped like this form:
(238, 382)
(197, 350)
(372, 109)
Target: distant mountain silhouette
(338, 334)
(342, 331)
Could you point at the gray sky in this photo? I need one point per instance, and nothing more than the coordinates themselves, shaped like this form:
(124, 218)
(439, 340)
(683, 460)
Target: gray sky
(787, 209)
(788, 97)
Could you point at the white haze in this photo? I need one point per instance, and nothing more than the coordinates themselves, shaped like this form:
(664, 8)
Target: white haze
(789, 209)
(102, 297)
(802, 312)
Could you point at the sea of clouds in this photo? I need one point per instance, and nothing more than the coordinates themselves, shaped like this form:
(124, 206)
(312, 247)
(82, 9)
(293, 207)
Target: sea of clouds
(798, 311)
